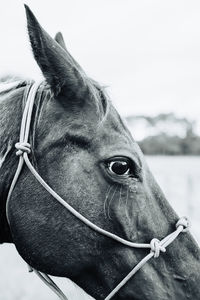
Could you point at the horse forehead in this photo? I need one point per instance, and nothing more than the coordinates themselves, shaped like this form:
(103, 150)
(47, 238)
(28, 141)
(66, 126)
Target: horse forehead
(108, 130)
(114, 131)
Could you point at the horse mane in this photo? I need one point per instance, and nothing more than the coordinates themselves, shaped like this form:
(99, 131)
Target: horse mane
(9, 78)
(9, 83)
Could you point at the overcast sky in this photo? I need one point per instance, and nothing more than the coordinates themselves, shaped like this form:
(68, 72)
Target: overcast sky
(146, 52)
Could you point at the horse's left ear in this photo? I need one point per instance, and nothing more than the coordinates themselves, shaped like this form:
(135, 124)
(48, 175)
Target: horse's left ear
(60, 40)
(59, 68)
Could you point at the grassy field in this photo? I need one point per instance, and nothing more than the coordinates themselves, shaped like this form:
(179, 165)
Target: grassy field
(179, 177)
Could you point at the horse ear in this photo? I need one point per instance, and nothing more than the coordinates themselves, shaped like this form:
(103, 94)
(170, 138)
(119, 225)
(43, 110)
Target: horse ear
(56, 64)
(60, 40)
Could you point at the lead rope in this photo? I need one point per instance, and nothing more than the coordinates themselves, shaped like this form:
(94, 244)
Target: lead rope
(23, 149)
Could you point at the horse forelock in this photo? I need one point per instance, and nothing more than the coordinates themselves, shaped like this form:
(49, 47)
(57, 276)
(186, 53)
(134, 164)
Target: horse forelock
(103, 101)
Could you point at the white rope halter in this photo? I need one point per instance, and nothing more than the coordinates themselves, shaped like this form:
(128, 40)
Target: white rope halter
(24, 149)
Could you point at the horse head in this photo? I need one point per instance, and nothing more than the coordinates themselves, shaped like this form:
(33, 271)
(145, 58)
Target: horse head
(84, 151)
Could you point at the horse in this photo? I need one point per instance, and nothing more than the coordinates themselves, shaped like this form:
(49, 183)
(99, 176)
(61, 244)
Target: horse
(79, 151)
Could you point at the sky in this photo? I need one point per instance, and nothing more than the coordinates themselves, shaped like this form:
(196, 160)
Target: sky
(146, 52)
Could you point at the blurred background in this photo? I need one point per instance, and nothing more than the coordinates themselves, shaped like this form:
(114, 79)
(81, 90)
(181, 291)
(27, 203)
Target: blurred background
(147, 53)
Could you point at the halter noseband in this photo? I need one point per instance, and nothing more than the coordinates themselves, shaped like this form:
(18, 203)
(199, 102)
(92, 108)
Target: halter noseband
(24, 148)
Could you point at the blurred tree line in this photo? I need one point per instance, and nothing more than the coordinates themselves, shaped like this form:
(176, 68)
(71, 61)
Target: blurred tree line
(171, 135)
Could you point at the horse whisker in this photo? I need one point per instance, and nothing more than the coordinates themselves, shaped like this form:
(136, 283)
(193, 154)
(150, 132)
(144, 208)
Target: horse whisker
(110, 203)
(120, 196)
(106, 199)
(126, 207)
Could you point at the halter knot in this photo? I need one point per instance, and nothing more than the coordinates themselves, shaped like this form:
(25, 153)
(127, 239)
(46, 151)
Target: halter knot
(156, 247)
(184, 222)
(22, 148)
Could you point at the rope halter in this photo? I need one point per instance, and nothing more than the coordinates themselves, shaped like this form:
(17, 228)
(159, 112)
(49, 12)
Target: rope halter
(156, 247)
(23, 150)
(183, 223)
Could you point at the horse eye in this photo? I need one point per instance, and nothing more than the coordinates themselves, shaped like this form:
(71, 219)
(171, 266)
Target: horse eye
(120, 167)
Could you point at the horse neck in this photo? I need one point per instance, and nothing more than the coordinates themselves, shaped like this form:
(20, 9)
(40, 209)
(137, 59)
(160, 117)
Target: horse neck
(10, 118)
